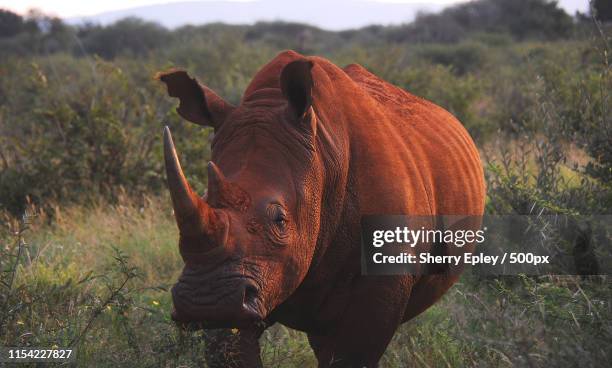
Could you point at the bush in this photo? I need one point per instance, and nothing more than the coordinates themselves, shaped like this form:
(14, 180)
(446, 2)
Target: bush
(460, 95)
(78, 129)
(546, 168)
(463, 58)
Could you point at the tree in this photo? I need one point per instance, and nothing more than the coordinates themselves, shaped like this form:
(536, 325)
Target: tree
(603, 10)
(523, 19)
(130, 35)
(10, 23)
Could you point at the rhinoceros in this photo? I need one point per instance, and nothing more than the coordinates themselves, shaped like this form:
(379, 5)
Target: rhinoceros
(310, 149)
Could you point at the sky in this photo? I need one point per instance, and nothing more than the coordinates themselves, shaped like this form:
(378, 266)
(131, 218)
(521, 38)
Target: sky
(72, 8)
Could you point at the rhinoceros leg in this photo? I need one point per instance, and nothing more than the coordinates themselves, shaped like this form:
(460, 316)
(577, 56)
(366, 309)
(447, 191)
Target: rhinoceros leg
(375, 310)
(227, 348)
(329, 356)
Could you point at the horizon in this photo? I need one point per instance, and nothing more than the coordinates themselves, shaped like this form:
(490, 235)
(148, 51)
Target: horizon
(77, 12)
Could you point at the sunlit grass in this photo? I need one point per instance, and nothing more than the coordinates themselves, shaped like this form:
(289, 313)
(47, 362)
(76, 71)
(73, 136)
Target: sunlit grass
(68, 273)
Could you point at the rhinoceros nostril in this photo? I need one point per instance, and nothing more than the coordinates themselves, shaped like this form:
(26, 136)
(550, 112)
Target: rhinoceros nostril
(250, 295)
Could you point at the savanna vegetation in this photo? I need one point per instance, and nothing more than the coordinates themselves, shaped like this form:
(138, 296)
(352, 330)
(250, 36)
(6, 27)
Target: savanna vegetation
(88, 242)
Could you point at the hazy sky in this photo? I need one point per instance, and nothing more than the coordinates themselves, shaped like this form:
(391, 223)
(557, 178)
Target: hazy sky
(71, 8)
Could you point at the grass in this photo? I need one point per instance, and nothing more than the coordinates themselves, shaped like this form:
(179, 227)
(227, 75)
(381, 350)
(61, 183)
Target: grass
(511, 322)
(98, 277)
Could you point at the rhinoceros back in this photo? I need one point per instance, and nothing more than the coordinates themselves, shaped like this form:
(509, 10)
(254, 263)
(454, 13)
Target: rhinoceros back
(447, 156)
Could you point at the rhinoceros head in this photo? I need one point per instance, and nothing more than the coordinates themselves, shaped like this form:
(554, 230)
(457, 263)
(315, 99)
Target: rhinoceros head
(248, 242)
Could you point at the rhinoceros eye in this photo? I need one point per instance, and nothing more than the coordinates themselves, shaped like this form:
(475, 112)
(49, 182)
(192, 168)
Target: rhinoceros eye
(278, 220)
(278, 215)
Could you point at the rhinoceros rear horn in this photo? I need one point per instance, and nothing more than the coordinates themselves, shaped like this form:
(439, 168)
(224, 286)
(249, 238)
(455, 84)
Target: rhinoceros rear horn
(216, 181)
(191, 211)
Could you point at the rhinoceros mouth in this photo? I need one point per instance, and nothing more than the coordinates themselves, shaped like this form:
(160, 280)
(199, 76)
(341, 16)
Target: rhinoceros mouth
(231, 301)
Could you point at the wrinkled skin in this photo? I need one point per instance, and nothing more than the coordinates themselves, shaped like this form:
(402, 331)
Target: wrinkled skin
(309, 150)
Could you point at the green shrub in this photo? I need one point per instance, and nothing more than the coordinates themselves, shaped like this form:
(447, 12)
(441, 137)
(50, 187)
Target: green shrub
(78, 129)
(462, 58)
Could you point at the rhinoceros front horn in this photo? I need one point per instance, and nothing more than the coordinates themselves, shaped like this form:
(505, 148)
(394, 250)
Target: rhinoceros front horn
(191, 212)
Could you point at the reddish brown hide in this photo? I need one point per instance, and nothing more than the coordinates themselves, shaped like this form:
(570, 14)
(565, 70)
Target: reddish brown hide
(309, 150)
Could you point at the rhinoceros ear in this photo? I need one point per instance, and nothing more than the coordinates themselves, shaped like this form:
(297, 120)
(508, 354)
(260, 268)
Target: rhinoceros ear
(296, 83)
(198, 104)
